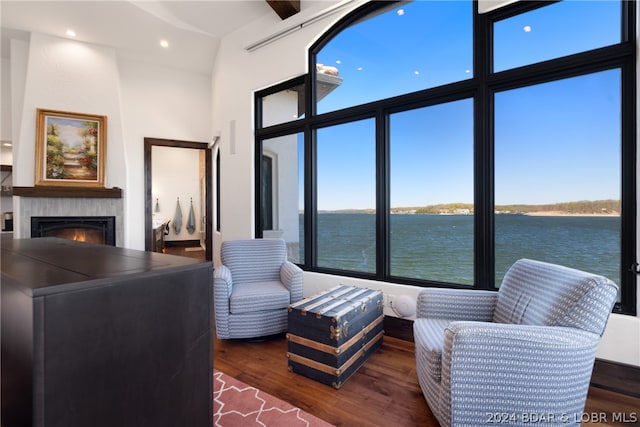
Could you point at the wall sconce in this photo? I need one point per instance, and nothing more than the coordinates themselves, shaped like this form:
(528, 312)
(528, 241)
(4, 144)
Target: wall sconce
(157, 208)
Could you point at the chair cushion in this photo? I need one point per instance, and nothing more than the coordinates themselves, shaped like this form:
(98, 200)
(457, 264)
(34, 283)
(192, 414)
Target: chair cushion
(254, 260)
(429, 339)
(249, 297)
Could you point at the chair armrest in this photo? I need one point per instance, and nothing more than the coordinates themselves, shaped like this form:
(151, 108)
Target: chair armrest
(510, 338)
(222, 286)
(456, 304)
(541, 371)
(292, 277)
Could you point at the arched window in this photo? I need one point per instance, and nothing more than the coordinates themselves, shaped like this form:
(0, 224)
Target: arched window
(435, 146)
(377, 56)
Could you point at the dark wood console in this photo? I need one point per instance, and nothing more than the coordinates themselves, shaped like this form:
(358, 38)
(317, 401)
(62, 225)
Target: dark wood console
(97, 335)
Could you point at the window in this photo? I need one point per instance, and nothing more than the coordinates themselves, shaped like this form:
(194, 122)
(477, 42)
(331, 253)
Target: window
(440, 145)
(557, 174)
(375, 57)
(282, 192)
(557, 30)
(346, 196)
(267, 192)
(431, 189)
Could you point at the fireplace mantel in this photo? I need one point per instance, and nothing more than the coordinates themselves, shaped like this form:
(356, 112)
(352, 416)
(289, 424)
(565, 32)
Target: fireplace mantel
(103, 193)
(37, 201)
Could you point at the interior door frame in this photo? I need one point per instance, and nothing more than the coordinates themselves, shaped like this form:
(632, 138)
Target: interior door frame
(149, 143)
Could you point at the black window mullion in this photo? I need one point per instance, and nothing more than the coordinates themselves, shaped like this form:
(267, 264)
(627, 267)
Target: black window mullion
(484, 239)
(382, 197)
(258, 188)
(560, 68)
(218, 192)
(257, 226)
(311, 199)
(628, 27)
(629, 271)
(310, 182)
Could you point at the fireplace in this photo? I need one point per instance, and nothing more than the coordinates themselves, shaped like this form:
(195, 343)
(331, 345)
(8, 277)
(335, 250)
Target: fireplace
(91, 229)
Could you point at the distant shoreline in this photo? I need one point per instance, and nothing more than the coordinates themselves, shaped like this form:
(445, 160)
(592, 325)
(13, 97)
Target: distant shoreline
(538, 213)
(587, 208)
(560, 213)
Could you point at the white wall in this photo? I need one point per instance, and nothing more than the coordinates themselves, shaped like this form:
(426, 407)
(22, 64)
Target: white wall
(6, 153)
(158, 103)
(237, 76)
(15, 102)
(70, 76)
(139, 100)
(5, 95)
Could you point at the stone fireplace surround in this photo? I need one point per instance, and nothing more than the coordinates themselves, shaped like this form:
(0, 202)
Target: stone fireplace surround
(26, 207)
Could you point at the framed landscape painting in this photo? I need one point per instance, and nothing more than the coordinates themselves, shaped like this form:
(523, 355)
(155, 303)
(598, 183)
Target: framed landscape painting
(70, 149)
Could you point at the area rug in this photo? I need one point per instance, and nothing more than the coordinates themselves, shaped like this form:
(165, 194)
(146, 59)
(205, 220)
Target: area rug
(235, 404)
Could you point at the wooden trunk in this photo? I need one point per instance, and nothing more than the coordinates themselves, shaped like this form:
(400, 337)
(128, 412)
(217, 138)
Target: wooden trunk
(334, 332)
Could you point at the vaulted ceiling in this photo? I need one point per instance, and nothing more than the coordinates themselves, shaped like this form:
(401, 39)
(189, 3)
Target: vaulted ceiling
(193, 29)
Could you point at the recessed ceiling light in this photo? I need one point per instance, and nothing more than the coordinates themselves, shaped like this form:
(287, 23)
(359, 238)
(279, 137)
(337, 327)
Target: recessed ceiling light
(71, 33)
(164, 43)
(7, 144)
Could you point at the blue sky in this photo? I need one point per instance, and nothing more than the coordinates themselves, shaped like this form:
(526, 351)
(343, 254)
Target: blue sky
(555, 142)
(69, 130)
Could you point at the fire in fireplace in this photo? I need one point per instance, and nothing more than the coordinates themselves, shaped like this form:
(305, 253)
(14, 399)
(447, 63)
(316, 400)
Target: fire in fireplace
(92, 229)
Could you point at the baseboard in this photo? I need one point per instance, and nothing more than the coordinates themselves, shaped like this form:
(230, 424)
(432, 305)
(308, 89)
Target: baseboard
(618, 377)
(180, 243)
(608, 375)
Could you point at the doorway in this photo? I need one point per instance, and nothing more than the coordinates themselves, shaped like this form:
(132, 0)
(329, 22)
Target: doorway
(206, 198)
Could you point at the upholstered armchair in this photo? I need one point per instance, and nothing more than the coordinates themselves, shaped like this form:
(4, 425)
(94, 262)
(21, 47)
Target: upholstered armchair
(519, 356)
(253, 288)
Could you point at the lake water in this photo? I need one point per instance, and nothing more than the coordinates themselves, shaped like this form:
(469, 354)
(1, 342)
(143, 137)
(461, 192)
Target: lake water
(440, 247)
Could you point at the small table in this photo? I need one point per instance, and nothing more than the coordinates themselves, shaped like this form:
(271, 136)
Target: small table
(331, 334)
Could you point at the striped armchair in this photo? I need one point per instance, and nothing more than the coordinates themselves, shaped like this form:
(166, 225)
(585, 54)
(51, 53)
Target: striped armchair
(253, 288)
(519, 356)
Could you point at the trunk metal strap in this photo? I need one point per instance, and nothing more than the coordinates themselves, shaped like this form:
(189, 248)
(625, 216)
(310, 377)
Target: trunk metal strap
(331, 349)
(330, 369)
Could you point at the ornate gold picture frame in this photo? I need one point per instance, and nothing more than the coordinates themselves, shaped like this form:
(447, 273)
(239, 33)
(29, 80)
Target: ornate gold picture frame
(70, 149)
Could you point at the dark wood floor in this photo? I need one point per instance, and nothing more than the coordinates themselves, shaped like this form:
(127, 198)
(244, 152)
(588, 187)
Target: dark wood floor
(383, 392)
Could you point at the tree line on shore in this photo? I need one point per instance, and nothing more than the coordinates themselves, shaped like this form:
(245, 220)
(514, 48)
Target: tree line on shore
(581, 207)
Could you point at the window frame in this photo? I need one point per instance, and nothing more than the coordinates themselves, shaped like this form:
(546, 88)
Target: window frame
(267, 192)
(482, 87)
